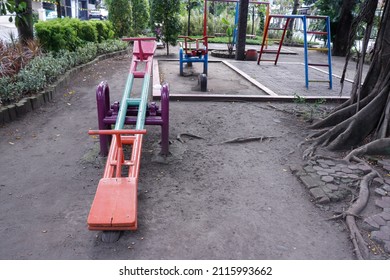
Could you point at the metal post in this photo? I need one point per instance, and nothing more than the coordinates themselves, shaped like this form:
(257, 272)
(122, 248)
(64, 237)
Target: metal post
(305, 51)
(329, 52)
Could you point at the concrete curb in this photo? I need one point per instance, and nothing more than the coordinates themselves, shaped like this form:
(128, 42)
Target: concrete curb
(28, 104)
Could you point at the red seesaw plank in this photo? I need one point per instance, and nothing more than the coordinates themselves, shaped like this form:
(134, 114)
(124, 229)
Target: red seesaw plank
(115, 205)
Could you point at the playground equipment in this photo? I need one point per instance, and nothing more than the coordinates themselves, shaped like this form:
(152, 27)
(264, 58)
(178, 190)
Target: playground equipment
(114, 207)
(236, 16)
(199, 53)
(304, 18)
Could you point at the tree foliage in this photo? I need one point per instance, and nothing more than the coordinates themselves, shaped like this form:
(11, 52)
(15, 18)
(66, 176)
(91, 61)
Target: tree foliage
(167, 13)
(341, 14)
(140, 15)
(120, 14)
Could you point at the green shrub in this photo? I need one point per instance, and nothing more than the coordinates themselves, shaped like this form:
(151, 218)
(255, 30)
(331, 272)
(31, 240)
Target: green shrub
(86, 53)
(88, 32)
(71, 33)
(111, 46)
(11, 91)
(57, 34)
(66, 58)
(104, 30)
(45, 69)
(40, 72)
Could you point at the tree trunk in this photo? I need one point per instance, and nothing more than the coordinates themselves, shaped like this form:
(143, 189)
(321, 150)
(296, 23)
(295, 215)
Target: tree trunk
(242, 24)
(369, 120)
(291, 24)
(25, 23)
(340, 43)
(189, 17)
(59, 9)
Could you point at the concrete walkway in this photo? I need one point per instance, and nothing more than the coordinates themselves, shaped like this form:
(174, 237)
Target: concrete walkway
(283, 81)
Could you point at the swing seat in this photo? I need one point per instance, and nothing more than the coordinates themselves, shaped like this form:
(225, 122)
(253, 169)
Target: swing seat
(115, 205)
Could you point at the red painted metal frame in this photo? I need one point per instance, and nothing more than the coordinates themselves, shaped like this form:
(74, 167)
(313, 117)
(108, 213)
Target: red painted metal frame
(115, 158)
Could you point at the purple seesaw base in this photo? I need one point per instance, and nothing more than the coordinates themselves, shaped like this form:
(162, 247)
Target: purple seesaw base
(107, 115)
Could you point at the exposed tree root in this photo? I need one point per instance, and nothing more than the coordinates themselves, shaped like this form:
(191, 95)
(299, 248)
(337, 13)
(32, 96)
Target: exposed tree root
(179, 136)
(355, 209)
(344, 112)
(356, 128)
(360, 246)
(366, 115)
(377, 147)
(247, 139)
(384, 124)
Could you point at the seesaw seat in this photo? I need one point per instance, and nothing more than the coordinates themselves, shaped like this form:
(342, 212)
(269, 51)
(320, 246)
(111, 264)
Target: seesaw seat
(115, 205)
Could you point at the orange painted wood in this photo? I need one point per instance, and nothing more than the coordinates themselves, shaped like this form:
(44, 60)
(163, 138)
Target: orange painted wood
(114, 205)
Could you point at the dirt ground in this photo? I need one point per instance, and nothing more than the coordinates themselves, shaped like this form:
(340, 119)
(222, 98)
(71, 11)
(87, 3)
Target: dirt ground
(210, 200)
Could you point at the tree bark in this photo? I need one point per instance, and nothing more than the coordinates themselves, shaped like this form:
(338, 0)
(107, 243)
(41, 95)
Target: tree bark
(291, 24)
(190, 5)
(340, 43)
(59, 9)
(25, 23)
(242, 24)
(366, 120)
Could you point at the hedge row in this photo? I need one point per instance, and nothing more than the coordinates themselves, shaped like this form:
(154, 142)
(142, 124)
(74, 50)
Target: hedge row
(71, 33)
(45, 69)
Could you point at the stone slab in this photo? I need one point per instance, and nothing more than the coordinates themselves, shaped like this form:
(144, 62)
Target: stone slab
(333, 187)
(21, 108)
(380, 236)
(386, 187)
(377, 182)
(364, 168)
(309, 181)
(12, 112)
(322, 173)
(324, 200)
(386, 247)
(386, 167)
(317, 193)
(379, 220)
(371, 223)
(380, 191)
(4, 115)
(327, 179)
(309, 168)
(385, 216)
(384, 202)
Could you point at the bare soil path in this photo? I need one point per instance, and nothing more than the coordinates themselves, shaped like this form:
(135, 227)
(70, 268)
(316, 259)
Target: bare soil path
(212, 200)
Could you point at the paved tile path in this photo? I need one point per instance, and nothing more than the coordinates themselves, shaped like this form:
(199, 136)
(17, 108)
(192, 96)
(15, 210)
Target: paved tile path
(331, 181)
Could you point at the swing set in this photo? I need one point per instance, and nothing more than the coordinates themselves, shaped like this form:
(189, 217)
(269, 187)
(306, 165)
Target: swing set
(199, 53)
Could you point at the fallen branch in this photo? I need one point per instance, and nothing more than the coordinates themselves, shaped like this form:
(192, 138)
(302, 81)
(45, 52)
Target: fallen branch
(247, 139)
